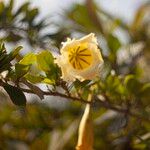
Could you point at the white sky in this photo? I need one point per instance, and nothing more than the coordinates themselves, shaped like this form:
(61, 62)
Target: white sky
(124, 9)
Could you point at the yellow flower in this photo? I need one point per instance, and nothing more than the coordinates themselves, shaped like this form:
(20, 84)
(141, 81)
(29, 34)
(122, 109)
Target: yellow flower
(80, 59)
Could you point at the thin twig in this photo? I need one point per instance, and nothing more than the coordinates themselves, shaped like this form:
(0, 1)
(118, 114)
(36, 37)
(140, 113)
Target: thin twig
(103, 103)
(48, 93)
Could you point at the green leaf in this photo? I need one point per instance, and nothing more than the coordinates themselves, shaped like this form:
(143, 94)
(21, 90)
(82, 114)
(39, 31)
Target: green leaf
(14, 53)
(145, 91)
(79, 14)
(145, 94)
(2, 52)
(45, 61)
(21, 70)
(8, 11)
(132, 84)
(4, 61)
(13, 37)
(23, 8)
(31, 15)
(33, 78)
(15, 94)
(11, 5)
(2, 6)
(29, 59)
(5, 58)
(80, 85)
(8, 58)
(48, 81)
(113, 43)
(114, 87)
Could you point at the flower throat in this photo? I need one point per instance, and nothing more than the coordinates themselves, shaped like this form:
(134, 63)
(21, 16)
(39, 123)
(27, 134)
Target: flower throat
(80, 57)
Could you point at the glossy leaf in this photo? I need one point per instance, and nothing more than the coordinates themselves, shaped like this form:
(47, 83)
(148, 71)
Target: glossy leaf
(15, 94)
(45, 61)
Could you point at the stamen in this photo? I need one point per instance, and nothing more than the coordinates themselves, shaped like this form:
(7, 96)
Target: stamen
(80, 65)
(84, 61)
(80, 58)
(82, 50)
(71, 58)
(77, 49)
(84, 55)
(74, 65)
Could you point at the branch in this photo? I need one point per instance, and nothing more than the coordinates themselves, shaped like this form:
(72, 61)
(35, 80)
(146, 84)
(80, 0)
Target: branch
(50, 93)
(104, 104)
(122, 110)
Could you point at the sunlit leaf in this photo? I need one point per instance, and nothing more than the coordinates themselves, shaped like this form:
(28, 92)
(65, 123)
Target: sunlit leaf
(45, 61)
(28, 59)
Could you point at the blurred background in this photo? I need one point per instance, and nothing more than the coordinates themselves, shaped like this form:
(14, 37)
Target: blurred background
(123, 31)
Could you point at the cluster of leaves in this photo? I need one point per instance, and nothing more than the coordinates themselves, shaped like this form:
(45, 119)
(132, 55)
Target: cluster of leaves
(120, 88)
(21, 25)
(16, 94)
(35, 68)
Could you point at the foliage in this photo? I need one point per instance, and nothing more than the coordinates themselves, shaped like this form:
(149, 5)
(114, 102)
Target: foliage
(121, 116)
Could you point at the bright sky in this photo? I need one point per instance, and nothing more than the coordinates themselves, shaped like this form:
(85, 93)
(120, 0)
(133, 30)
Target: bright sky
(123, 9)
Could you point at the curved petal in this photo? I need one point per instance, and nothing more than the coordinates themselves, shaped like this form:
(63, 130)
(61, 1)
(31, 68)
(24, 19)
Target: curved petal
(92, 56)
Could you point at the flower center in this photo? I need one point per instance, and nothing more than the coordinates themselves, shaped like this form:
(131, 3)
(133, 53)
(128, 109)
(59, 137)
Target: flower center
(80, 57)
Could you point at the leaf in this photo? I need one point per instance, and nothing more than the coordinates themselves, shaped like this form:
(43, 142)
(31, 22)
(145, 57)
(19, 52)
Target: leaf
(8, 58)
(145, 91)
(132, 84)
(5, 58)
(80, 85)
(21, 70)
(48, 81)
(31, 15)
(113, 43)
(33, 78)
(34, 88)
(45, 61)
(139, 17)
(13, 37)
(2, 52)
(8, 11)
(79, 14)
(15, 94)
(29, 59)
(2, 6)
(145, 94)
(11, 5)
(23, 8)
(14, 53)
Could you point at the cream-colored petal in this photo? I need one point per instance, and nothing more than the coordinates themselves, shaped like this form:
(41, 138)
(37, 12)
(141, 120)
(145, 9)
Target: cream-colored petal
(68, 44)
(90, 38)
(61, 62)
(70, 50)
